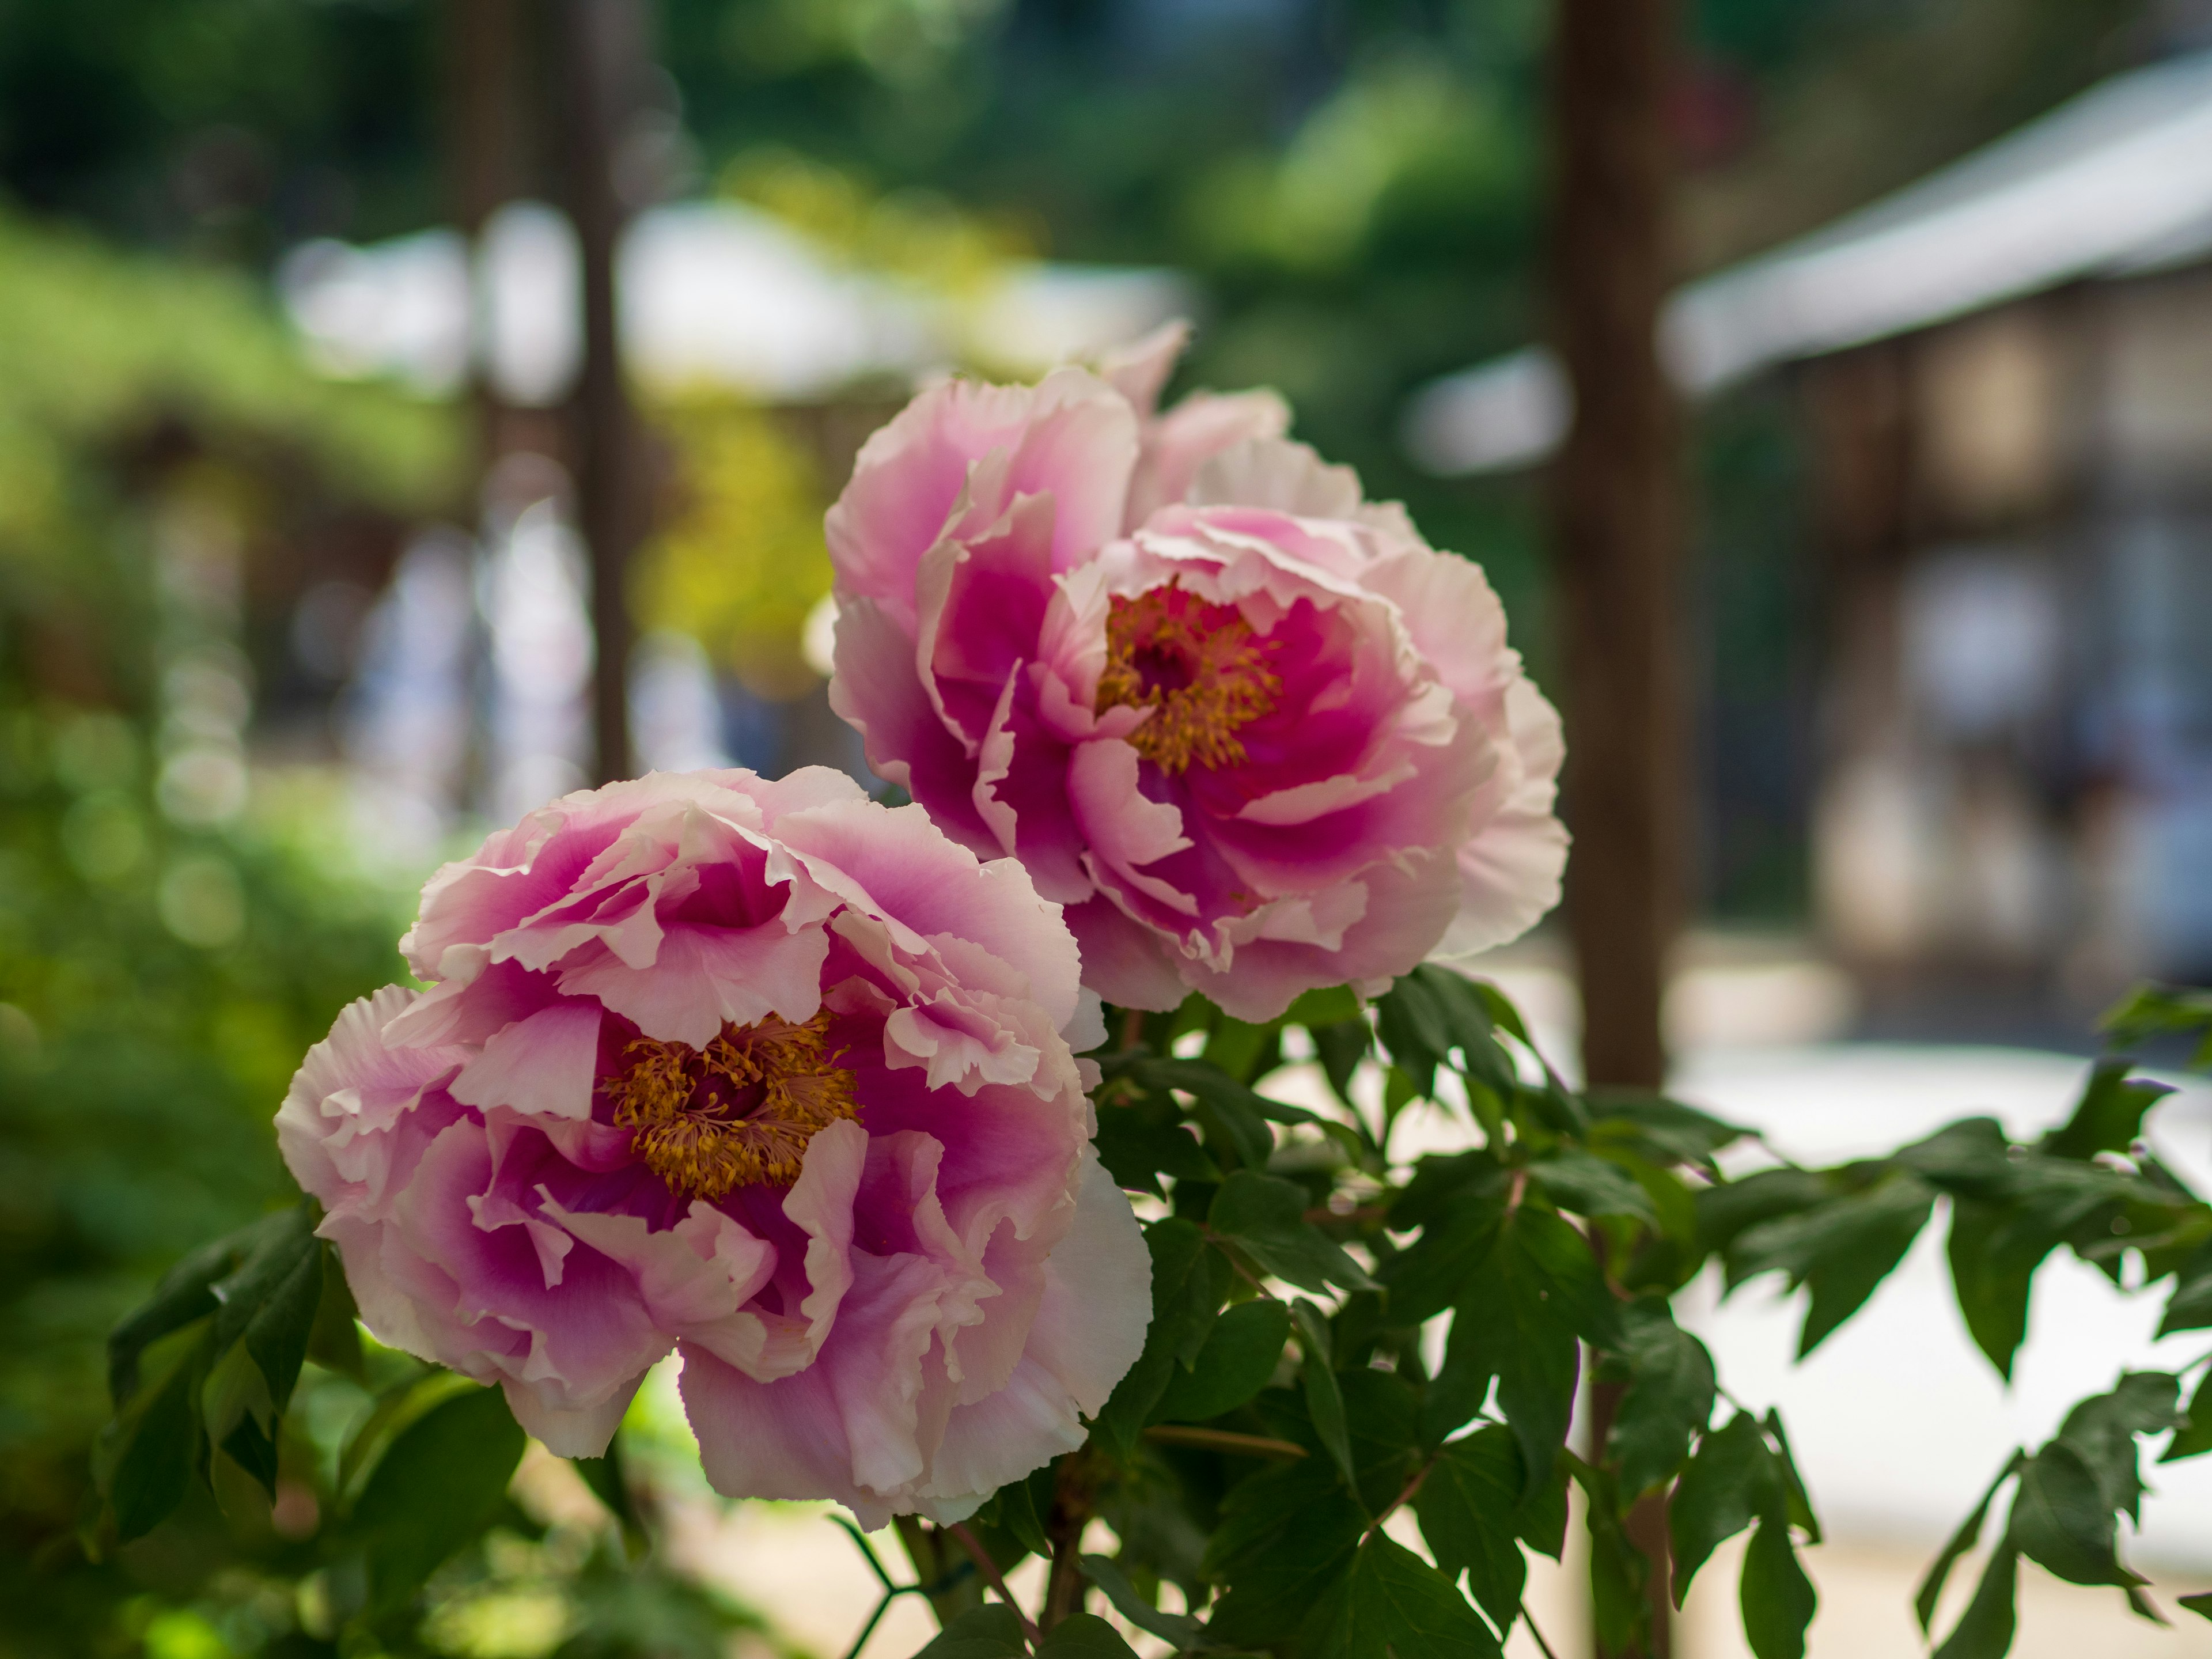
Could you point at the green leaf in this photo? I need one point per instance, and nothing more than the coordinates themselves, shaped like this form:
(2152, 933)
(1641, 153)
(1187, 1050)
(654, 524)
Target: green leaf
(1588, 1185)
(2154, 1011)
(2109, 1117)
(1380, 1412)
(1620, 1613)
(1517, 1319)
(149, 1452)
(1793, 1484)
(1238, 1360)
(1671, 1389)
(1728, 1208)
(1333, 1005)
(2189, 1309)
(1284, 1535)
(2060, 1518)
(1265, 1217)
(1188, 1281)
(187, 1292)
(2200, 1604)
(1841, 1251)
(991, 1631)
(1136, 1153)
(2194, 1438)
(334, 1340)
(1993, 1266)
(1728, 1483)
(278, 1333)
(1985, 1630)
(609, 1480)
(438, 1486)
(1968, 1535)
(1340, 1049)
(1178, 1628)
(1467, 1506)
(1412, 1022)
(1675, 1132)
(1324, 1399)
(1393, 1605)
(2102, 1430)
(1084, 1636)
(1777, 1597)
(253, 1451)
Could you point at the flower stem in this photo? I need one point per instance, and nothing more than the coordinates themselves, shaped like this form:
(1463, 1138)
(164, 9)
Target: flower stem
(992, 1576)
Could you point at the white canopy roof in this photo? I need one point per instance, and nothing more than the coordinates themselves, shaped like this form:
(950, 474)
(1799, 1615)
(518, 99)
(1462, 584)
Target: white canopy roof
(2117, 181)
(711, 292)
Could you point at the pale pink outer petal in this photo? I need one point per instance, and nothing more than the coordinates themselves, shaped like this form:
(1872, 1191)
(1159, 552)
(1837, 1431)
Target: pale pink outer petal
(583, 1432)
(877, 690)
(541, 1064)
(1071, 436)
(350, 1091)
(1088, 1330)
(1181, 444)
(1511, 867)
(1139, 370)
(1266, 470)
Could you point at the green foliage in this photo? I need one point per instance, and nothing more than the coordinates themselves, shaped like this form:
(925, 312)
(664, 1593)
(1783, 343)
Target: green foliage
(1284, 1409)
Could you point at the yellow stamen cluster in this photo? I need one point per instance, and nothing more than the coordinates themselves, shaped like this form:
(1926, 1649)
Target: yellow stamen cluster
(736, 1113)
(1197, 667)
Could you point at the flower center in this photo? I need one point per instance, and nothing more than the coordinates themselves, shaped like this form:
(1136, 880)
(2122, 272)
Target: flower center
(739, 1112)
(1197, 667)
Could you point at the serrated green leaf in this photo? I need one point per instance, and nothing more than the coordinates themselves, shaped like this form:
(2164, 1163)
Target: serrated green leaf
(1411, 1023)
(2194, 1437)
(1286, 1534)
(1179, 1629)
(1239, 1359)
(1468, 1507)
(1517, 1318)
(1084, 1636)
(1324, 1398)
(2200, 1604)
(2153, 1011)
(2108, 1116)
(1778, 1598)
(1672, 1130)
(1793, 1484)
(1840, 1250)
(992, 1630)
(1728, 1483)
(608, 1477)
(1393, 1605)
(1728, 1208)
(439, 1484)
(2102, 1430)
(1620, 1613)
(1670, 1394)
(1136, 1153)
(1984, 1631)
(1968, 1535)
(2190, 1308)
(1381, 1411)
(1340, 1049)
(1188, 1281)
(1265, 1217)
(2060, 1518)
(1589, 1186)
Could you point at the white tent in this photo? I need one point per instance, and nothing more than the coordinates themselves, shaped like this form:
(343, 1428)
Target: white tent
(2118, 181)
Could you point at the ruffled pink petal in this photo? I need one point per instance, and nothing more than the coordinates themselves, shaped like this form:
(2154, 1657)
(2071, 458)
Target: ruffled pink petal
(1511, 868)
(705, 978)
(1179, 444)
(1125, 961)
(580, 1432)
(1139, 369)
(1072, 436)
(542, 1064)
(877, 690)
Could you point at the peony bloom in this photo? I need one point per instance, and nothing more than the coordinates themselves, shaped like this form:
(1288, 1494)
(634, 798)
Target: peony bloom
(1248, 727)
(765, 1072)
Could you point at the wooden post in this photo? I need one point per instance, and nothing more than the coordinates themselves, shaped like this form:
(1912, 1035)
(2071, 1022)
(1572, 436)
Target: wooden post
(601, 82)
(1617, 523)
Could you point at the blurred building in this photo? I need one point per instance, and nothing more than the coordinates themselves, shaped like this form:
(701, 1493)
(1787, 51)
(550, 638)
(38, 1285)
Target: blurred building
(763, 357)
(2002, 379)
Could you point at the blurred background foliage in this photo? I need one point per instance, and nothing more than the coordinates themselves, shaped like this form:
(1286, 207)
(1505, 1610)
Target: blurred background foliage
(1355, 185)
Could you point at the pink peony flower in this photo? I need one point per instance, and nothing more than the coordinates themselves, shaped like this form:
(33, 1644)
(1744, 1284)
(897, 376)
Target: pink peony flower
(1248, 727)
(765, 1072)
